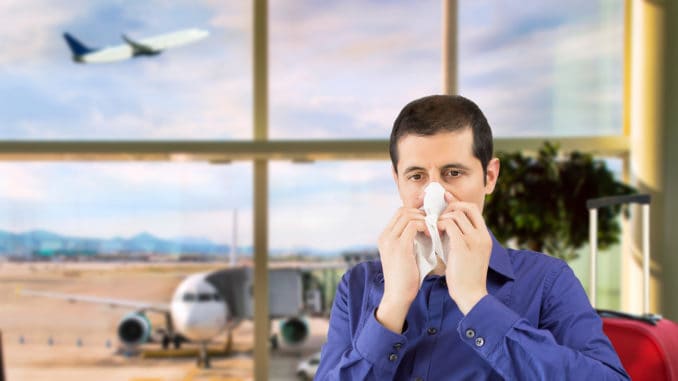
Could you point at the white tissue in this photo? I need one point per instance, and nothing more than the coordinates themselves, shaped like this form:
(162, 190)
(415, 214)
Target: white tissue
(428, 249)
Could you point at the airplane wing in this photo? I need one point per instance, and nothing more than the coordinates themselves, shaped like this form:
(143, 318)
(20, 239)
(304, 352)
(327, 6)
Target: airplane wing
(140, 48)
(169, 40)
(120, 303)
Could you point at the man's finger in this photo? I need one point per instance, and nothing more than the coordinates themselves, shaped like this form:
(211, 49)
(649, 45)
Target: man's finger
(461, 220)
(404, 217)
(471, 211)
(454, 235)
(449, 197)
(411, 230)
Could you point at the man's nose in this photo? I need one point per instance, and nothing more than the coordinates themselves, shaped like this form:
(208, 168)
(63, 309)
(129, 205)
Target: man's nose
(434, 178)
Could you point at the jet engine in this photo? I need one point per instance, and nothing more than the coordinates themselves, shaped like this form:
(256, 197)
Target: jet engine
(134, 329)
(294, 330)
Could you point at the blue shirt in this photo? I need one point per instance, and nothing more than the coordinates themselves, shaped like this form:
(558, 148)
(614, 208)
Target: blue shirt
(536, 323)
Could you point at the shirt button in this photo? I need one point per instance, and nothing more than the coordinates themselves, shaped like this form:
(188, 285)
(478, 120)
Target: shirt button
(397, 346)
(392, 357)
(432, 331)
(480, 342)
(419, 379)
(470, 333)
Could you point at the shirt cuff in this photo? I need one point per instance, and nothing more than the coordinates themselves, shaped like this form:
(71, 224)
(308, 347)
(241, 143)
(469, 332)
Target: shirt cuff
(380, 346)
(486, 325)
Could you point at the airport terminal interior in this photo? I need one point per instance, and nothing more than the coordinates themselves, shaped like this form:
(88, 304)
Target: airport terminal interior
(183, 184)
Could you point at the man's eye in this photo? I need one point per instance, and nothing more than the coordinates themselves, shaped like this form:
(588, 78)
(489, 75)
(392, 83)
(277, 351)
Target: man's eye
(415, 177)
(454, 173)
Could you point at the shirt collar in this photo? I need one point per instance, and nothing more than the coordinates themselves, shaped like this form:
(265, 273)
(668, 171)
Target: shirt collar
(499, 259)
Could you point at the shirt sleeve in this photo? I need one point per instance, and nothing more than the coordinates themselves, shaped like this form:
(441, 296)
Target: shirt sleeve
(569, 344)
(374, 353)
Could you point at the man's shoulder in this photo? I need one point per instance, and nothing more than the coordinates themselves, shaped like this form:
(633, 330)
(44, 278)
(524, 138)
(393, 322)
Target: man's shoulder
(528, 261)
(367, 270)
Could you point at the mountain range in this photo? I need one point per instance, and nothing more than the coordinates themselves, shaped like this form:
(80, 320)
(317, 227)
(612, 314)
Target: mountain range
(45, 243)
(42, 243)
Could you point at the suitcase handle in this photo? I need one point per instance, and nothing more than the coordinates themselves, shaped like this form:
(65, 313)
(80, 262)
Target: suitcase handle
(596, 203)
(651, 319)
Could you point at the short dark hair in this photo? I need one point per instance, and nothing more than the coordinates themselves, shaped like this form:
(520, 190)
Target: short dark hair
(436, 113)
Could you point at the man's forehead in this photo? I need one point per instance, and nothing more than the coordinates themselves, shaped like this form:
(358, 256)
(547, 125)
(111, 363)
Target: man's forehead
(458, 142)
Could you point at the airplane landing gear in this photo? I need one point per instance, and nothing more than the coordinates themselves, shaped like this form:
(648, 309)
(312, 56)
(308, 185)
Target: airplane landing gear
(203, 360)
(174, 340)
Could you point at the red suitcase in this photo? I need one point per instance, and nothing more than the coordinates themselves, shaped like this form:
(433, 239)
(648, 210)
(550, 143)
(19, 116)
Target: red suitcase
(647, 344)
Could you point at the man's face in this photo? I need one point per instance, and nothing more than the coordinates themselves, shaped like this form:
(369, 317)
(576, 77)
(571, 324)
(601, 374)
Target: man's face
(446, 158)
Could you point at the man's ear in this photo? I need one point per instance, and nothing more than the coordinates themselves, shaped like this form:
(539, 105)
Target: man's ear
(394, 174)
(492, 175)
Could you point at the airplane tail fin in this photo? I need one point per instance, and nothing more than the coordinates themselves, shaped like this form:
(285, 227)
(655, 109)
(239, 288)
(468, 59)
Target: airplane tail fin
(77, 47)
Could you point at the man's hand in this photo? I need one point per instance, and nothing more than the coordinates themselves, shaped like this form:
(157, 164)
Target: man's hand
(401, 275)
(469, 252)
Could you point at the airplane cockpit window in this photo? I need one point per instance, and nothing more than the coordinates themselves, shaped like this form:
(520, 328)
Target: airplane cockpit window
(189, 297)
(204, 297)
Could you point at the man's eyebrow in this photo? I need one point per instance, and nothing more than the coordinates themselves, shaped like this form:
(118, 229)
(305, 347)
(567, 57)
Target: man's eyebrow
(455, 166)
(412, 169)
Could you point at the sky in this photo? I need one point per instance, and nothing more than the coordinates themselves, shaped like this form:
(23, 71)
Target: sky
(338, 69)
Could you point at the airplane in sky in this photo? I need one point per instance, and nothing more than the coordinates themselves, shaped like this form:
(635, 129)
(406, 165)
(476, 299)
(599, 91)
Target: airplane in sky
(206, 304)
(150, 46)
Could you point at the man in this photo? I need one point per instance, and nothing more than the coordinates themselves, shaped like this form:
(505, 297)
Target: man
(489, 312)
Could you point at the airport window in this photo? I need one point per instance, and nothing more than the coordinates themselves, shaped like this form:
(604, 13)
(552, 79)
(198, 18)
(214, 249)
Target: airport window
(137, 211)
(199, 90)
(343, 69)
(115, 232)
(337, 70)
(544, 68)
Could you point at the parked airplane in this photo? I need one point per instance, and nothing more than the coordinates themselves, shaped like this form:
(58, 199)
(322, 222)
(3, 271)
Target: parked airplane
(197, 312)
(132, 48)
(205, 304)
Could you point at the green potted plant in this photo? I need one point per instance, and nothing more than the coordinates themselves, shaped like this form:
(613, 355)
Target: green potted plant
(540, 201)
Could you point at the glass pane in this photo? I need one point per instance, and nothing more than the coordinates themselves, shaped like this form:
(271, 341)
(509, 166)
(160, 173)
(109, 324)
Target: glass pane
(344, 69)
(320, 214)
(544, 68)
(198, 90)
(327, 208)
(114, 231)
(108, 200)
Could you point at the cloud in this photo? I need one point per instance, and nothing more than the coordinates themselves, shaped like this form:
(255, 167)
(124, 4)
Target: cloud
(558, 79)
(29, 29)
(345, 69)
(19, 185)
